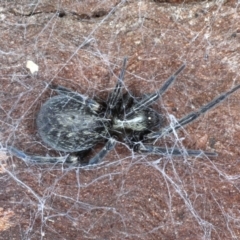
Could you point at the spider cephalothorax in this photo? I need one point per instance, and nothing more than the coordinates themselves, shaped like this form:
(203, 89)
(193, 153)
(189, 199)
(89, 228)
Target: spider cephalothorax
(73, 123)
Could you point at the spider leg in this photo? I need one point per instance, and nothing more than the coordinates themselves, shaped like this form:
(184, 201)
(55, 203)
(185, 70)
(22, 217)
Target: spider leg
(70, 159)
(162, 151)
(61, 90)
(117, 92)
(127, 100)
(93, 105)
(103, 152)
(192, 116)
(149, 99)
(40, 159)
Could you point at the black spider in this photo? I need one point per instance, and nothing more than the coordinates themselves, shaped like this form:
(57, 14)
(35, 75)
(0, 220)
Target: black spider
(73, 123)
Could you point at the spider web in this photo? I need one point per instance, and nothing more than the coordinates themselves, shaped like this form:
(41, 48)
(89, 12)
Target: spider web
(81, 45)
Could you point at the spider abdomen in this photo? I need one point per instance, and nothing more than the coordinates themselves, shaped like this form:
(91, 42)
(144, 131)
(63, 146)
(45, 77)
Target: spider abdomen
(65, 124)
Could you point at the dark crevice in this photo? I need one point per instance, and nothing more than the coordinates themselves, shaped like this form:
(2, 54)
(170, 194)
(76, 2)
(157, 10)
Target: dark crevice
(61, 13)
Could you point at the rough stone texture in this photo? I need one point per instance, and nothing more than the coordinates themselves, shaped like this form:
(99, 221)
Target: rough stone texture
(129, 196)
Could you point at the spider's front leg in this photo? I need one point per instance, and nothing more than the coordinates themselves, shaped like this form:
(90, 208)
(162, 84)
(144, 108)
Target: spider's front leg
(116, 95)
(165, 151)
(192, 116)
(149, 99)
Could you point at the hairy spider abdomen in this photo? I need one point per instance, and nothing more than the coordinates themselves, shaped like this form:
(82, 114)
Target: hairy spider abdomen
(66, 124)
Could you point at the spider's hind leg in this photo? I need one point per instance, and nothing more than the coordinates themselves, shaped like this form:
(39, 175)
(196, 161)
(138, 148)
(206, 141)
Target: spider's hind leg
(60, 89)
(40, 159)
(74, 158)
